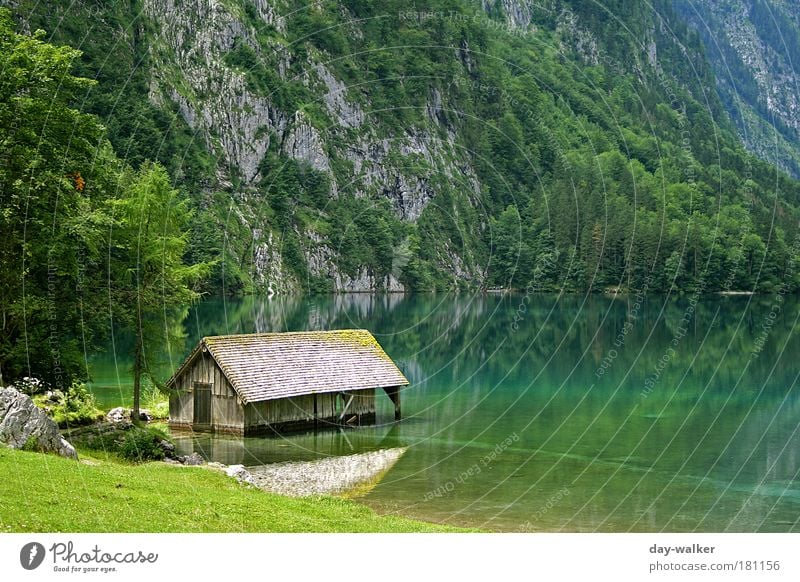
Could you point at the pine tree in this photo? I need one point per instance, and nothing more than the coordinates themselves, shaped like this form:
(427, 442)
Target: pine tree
(150, 279)
(52, 177)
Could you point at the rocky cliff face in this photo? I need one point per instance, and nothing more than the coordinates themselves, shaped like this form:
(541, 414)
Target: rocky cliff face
(239, 122)
(754, 47)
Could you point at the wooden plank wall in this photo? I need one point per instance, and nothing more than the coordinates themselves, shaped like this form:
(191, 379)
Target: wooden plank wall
(283, 410)
(363, 402)
(181, 408)
(227, 414)
(301, 408)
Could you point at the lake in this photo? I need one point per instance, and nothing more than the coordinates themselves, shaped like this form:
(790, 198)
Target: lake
(553, 413)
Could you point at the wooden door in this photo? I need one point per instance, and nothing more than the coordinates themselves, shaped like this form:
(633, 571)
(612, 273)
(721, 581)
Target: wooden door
(202, 403)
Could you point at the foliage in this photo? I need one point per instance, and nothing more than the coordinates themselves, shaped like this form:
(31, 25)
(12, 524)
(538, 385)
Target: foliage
(117, 55)
(53, 176)
(76, 407)
(156, 402)
(142, 445)
(135, 444)
(31, 444)
(86, 239)
(158, 491)
(595, 174)
(150, 278)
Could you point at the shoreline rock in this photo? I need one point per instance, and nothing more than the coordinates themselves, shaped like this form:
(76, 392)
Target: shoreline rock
(24, 426)
(241, 474)
(122, 414)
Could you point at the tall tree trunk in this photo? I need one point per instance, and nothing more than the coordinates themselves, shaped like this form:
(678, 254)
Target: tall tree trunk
(1, 362)
(138, 366)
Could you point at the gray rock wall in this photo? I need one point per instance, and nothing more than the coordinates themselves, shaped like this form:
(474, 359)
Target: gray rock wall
(239, 125)
(23, 425)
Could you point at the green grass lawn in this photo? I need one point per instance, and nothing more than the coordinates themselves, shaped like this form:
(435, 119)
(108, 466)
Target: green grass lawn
(45, 493)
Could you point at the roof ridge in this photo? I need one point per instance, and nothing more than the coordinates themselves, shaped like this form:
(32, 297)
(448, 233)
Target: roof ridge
(285, 333)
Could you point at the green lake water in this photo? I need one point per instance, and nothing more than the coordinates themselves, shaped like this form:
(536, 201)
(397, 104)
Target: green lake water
(548, 413)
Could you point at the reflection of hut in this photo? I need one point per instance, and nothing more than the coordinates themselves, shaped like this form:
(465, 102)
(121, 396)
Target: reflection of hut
(276, 382)
(349, 475)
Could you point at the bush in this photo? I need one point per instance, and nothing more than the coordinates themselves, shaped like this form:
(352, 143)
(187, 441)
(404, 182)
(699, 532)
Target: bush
(76, 408)
(94, 439)
(156, 403)
(141, 445)
(30, 386)
(31, 444)
(131, 443)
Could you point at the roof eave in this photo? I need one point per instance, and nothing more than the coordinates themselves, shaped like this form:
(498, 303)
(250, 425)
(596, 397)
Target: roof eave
(313, 392)
(186, 363)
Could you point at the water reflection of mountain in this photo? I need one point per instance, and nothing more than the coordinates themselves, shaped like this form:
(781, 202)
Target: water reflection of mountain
(551, 336)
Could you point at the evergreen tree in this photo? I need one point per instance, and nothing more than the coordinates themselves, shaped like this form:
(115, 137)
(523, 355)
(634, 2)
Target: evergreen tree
(150, 280)
(53, 177)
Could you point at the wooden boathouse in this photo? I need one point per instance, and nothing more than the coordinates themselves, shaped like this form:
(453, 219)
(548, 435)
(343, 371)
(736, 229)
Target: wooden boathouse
(278, 382)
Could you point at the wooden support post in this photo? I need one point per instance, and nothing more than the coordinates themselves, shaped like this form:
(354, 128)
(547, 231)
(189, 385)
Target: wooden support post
(316, 413)
(346, 406)
(393, 392)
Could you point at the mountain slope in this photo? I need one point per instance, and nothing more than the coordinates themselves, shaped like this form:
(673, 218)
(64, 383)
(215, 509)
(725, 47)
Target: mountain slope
(363, 146)
(754, 48)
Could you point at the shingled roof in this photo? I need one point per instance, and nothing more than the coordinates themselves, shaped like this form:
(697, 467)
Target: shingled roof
(268, 366)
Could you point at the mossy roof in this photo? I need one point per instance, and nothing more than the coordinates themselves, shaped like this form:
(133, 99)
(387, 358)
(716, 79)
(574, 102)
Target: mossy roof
(268, 366)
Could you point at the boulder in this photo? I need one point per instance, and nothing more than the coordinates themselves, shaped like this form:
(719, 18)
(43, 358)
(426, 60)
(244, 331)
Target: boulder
(239, 473)
(168, 448)
(118, 414)
(122, 414)
(23, 425)
(193, 459)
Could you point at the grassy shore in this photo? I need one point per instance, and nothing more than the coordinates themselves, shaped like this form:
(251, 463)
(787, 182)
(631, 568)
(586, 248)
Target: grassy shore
(45, 493)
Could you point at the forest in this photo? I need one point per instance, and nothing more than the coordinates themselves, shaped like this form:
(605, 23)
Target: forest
(88, 241)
